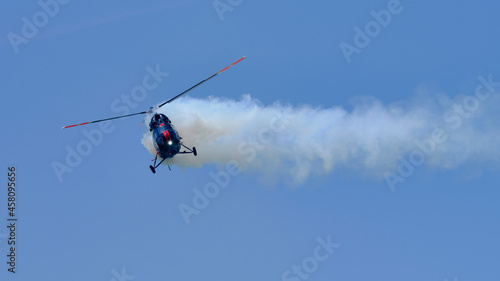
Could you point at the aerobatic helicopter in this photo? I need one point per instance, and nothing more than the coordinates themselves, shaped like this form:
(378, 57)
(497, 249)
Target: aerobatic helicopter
(167, 141)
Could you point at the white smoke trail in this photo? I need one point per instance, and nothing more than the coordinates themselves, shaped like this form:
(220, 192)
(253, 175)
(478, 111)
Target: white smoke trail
(293, 142)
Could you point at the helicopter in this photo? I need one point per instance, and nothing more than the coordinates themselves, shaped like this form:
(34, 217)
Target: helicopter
(166, 139)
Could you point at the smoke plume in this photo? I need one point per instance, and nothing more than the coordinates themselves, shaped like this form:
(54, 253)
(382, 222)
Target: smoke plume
(295, 142)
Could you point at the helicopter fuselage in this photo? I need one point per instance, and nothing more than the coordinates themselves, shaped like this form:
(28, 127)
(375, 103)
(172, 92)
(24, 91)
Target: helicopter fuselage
(166, 140)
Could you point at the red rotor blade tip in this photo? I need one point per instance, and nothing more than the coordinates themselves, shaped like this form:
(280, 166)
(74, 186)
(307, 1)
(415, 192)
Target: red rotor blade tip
(227, 67)
(75, 125)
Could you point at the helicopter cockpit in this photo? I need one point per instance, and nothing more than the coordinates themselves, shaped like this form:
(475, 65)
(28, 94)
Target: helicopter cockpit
(157, 120)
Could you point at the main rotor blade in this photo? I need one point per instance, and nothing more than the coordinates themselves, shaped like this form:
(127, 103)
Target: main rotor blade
(179, 95)
(170, 100)
(96, 121)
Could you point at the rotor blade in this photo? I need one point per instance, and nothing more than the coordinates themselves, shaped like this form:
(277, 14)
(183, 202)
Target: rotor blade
(106, 119)
(213, 75)
(170, 100)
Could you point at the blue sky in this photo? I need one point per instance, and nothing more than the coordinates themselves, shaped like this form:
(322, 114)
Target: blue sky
(110, 218)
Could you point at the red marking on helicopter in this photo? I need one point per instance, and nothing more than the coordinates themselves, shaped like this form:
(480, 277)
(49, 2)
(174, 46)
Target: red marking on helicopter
(167, 135)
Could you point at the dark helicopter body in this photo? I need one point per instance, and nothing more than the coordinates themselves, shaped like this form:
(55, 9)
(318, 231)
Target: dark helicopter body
(166, 140)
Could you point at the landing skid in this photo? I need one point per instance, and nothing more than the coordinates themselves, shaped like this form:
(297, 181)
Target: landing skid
(154, 166)
(189, 150)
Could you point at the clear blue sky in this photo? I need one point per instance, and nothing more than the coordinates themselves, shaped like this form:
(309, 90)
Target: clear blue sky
(110, 213)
